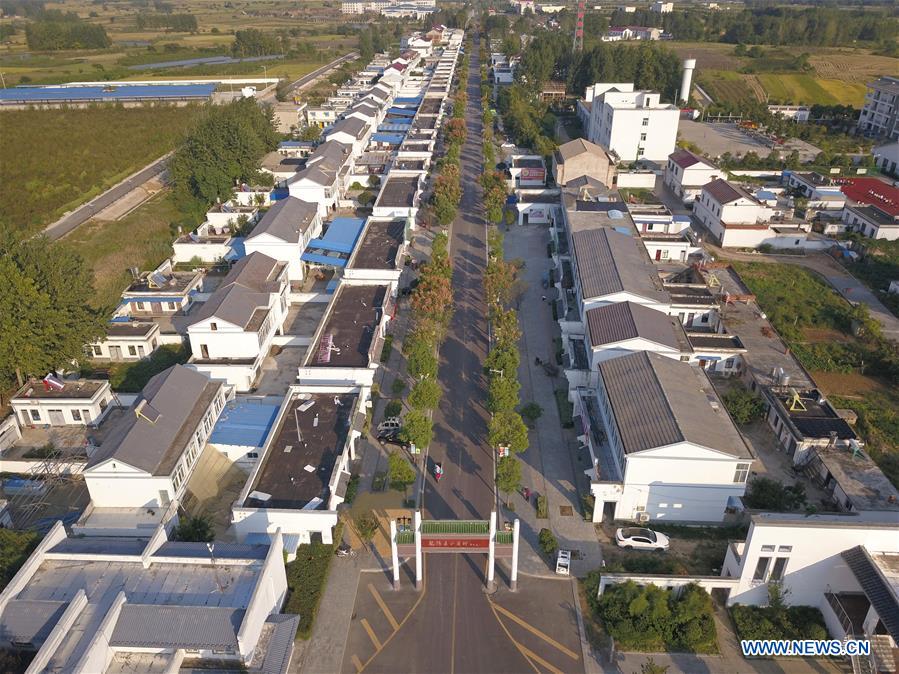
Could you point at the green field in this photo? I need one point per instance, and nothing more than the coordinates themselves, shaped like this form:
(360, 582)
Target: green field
(810, 90)
(53, 160)
(141, 239)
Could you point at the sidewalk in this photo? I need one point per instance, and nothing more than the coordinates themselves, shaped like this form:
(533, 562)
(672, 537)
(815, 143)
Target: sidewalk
(551, 465)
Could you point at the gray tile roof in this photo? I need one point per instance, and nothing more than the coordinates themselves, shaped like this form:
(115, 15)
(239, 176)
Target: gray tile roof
(153, 626)
(875, 587)
(180, 395)
(657, 401)
(280, 645)
(353, 126)
(286, 220)
(627, 320)
(610, 262)
(245, 290)
(578, 146)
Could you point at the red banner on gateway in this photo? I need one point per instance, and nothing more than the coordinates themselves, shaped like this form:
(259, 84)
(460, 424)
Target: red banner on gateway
(466, 543)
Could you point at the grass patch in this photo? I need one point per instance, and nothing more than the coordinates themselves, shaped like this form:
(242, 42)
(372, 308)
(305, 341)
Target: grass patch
(306, 578)
(15, 547)
(142, 239)
(701, 533)
(132, 377)
(566, 409)
(778, 622)
(877, 269)
(797, 88)
(55, 159)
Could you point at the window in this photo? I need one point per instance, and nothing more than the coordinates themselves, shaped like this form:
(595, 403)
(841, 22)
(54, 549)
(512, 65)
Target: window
(678, 505)
(663, 505)
(252, 455)
(140, 306)
(685, 359)
(780, 566)
(213, 326)
(646, 121)
(761, 569)
(35, 415)
(742, 473)
(76, 415)
(642, 136)
(785, 548)
(132, 351)
(767, 548)
(98, 351)
(640, 151)
(172, 306)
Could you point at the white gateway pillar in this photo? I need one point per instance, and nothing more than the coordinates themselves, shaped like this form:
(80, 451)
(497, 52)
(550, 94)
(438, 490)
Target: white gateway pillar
(395, 556)
(491, 555)
(416, 524)
(515, 534)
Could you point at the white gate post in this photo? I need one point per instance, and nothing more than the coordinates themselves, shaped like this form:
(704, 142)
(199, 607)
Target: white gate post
(491, 553)
(416, 523)
(395, 555)
(515, 534)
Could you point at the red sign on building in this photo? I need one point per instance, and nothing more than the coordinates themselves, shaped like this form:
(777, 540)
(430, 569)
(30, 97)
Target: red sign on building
(456, 543)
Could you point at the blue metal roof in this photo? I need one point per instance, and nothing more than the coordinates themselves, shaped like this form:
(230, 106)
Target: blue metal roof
(396, 125)
(244, 422)
(121, 92)
(392, 138)
(413, 100)
(335, 247)
(404, 112)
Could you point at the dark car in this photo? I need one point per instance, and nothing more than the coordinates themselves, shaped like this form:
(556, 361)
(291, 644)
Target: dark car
(392, 439)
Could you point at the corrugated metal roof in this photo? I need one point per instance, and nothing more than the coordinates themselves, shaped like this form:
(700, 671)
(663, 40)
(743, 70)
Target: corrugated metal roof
(119, 92)
(145, 626)
(29, 621)
(875, 587)
(627, 320)
(609, 262)
(221, 550)
(280, 645)
(658, 401)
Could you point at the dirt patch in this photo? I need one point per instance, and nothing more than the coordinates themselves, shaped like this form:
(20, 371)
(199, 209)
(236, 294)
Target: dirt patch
(685, 557)
(846, 385)
(825, 335)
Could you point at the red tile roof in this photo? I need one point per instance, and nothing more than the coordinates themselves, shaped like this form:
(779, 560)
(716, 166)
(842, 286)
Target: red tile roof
(684, 158)
(872, 192)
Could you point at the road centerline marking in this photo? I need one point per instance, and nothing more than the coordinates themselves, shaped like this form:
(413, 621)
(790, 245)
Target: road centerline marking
(372, 635)
(533, 630)
(374, 593)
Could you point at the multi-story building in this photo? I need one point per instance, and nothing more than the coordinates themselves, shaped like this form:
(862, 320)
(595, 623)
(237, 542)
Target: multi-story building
(686, 173)
(880, 114)
(283, 233)
(632, 124)
(732, 215)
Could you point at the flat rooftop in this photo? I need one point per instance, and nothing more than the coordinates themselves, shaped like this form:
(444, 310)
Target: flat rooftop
(380, 244)
(349, 327)
(527, 162)
(129, 329)
(156, 283)
(715, 341)
(810, 412)
(398, 192)
(297, 467)
(245, 421)
(82, 389)
(410, 164)
(430, 105)
(867, 488)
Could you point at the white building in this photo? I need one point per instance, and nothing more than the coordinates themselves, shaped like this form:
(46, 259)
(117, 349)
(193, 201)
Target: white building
(323, 179)
(149, 456)
(660, 7)
(97, 606)
(733, 216)
(664, 447)
(303, 472)
(351, 131)
(126, 340)
(284, 231)
(232, 333)
(686, 173)
(527, 170)
(632, 124)
(887, 158)
(78, 403)
(871, 221)
(880, 114)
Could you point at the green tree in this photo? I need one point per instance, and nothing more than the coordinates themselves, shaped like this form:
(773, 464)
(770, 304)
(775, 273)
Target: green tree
(45, 295)
(197, 529)
(743, 405)
(531, 412)
(507, 429)
(400, 472)
(417, 429)
(508, 475)
(425, 394)
(765, 493)
(502, 394)
(548, 542)
(420, 359)
(366, 524)
(311, 133)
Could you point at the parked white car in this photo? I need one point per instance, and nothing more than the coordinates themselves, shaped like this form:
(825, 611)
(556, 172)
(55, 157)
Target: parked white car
(563, 562)
(641, 539)
(390, 425)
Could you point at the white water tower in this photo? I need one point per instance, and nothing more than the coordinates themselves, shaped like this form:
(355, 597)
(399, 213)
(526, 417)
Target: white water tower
(687, 80)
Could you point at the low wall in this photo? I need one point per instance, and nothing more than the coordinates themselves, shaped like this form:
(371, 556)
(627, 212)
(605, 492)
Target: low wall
(642, 180)
(708, 583)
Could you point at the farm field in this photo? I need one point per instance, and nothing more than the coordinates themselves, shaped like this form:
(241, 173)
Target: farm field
(141, 239)
(838, 75)
(92, 149)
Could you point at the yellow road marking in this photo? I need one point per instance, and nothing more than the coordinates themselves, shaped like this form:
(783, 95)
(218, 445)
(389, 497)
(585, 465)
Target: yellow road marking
(374, 593)
(521, 649)
(357, 663)
(424, 589)
(533, 630)
(530, 654)
(372, 635)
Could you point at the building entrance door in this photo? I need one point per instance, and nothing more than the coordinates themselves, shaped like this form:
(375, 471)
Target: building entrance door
(56, 418)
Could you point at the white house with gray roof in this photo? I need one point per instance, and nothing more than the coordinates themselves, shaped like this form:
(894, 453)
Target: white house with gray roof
(110, 606)
(663, 445)
(151, 452)
(284, 231)
(232, 332)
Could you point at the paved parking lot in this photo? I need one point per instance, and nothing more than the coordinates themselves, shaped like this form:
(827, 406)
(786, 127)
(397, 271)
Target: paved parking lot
(716, 139)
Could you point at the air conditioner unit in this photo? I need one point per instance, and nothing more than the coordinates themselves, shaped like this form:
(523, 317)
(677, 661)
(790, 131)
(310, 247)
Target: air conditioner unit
(642, 518)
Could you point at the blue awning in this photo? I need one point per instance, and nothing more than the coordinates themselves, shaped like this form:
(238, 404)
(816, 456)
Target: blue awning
(403, 112)
(389, 138)
(337, 244)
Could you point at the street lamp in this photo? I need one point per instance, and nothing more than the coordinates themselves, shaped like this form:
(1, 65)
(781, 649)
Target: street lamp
(499, 372)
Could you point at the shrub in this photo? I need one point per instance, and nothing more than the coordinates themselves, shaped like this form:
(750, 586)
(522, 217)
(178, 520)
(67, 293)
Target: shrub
(15, 547)
(778, 622)
(387, 349)
(548, 542)
(352, 489)
(764, 493)
(398, 386)
(531, 412)
(743, 405)
(196, 529)
(542, 508)
(393, 409)
(306, 577)
(400, 472)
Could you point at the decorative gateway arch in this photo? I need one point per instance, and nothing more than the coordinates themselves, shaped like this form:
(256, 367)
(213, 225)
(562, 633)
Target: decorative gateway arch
(446, 536)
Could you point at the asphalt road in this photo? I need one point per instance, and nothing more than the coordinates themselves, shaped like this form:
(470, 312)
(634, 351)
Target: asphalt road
(86, 211)
(310, 77)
